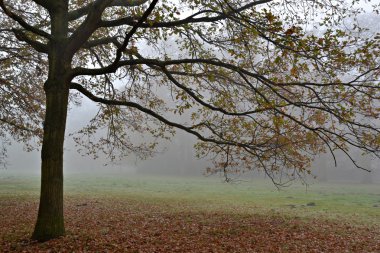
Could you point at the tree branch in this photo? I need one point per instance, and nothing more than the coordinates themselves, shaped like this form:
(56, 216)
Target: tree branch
(16, 126)
(38, 46)
(129, 35)
(113, 67)
(207, 105)
(80, 36)
(73, 15)
(89, 25)
(102, 41)
(22, 22)
(88, 94)
(46, 4)
(189, 20)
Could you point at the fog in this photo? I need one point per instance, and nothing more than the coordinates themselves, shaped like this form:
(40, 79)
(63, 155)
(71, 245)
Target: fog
(175, 158)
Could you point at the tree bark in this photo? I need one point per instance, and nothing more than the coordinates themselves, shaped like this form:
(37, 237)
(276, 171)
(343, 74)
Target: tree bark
(50, 223)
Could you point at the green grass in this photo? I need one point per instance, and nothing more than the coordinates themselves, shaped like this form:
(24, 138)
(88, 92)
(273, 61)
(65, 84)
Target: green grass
(351, 202)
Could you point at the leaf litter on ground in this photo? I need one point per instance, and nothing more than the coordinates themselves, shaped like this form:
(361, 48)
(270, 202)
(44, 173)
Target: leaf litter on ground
(123, 225)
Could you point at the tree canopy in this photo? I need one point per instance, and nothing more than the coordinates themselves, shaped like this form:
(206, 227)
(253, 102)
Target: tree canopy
(262, 84)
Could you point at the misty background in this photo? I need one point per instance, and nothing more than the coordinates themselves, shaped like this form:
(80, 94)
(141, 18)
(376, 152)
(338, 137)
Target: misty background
(174, 158)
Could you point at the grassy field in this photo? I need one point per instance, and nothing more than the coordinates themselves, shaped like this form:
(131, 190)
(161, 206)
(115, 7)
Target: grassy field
(207, 202)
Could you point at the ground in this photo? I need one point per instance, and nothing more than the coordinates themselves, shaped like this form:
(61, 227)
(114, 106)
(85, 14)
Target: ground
(122, 214)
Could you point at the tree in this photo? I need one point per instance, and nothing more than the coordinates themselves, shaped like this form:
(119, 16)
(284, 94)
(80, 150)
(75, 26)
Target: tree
(262, 84)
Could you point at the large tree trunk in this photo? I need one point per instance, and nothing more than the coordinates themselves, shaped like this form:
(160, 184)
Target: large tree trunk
(50, 222)
(50, 214)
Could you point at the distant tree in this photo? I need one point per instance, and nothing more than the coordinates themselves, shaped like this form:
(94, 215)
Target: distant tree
(3, 153)
(262, 84)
